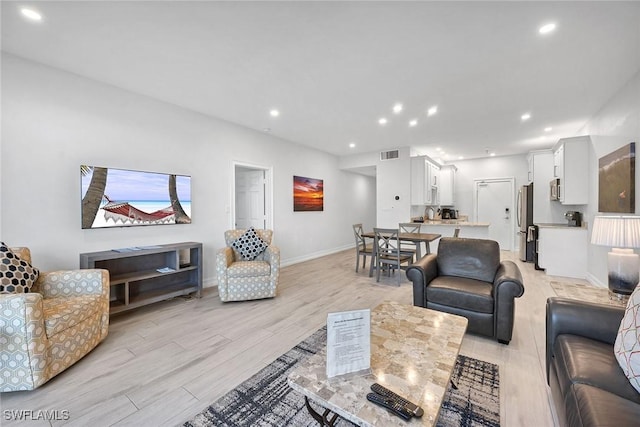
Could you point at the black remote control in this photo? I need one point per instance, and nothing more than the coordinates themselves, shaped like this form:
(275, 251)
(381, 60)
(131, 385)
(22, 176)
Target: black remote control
(394, 407)
(415, 410)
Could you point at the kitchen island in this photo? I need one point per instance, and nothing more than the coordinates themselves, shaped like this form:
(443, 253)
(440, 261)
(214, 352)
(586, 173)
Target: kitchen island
(446, 227)
(562, 250)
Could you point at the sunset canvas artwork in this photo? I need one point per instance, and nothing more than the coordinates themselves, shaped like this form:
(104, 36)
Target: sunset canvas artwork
(308, 194)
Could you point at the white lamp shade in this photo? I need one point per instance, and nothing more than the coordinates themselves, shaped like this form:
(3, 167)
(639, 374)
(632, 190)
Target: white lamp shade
(616, 231)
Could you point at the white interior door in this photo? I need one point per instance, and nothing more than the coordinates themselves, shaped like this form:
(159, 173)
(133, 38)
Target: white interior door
(250, 206)
(494, 204)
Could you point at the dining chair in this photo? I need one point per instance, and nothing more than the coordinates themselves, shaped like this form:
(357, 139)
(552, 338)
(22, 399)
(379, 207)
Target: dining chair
(362, 249)
(388, 253)
(409, 247)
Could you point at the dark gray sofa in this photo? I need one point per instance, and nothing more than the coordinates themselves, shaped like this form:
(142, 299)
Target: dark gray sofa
(467, 278)
(588, 386)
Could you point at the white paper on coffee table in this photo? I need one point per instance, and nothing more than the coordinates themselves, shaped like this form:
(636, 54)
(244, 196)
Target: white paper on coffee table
(348, 342)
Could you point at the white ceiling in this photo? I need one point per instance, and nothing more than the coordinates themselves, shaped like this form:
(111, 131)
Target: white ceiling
(334, 68)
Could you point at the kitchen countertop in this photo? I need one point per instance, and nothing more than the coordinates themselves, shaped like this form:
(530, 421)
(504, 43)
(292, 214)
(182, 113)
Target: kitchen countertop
(454, 222)
(558, 225)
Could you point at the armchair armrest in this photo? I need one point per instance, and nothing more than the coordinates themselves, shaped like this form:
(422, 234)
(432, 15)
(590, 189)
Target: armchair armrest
(68, 283)
(508, 280)
(566, 316)
(421, 273)
(22, 329)
(272, 256)
(224, 257)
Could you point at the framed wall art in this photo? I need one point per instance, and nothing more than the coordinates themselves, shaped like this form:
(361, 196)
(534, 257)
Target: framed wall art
(123, 198)
(617, 180)
(308, 194)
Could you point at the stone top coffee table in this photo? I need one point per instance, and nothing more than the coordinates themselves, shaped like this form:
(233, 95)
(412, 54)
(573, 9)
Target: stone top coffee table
(413, 353)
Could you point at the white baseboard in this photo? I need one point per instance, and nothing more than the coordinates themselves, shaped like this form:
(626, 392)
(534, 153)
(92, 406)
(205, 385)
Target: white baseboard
(209, 282)
(314, 255)
(213, 282)
(595, 282)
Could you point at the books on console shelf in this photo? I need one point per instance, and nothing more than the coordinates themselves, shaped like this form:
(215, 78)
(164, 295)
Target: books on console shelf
(165, 270)
(136, 248)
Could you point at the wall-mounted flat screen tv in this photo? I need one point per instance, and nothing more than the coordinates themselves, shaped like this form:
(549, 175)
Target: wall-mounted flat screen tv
(123, 198)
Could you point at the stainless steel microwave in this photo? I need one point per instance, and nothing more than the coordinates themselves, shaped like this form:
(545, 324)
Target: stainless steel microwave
(554, 189)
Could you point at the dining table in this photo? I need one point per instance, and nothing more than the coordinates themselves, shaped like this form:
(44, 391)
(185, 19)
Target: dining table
(416, 238)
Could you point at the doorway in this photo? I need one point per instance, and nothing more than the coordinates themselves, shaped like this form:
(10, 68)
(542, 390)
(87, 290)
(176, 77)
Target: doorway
(251, 205)
(493, 201)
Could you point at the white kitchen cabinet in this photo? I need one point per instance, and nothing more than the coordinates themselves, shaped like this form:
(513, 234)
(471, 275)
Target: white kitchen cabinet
(558, 161)
(562, 250)
(530, 167)
(434, 172)
(424, 181)
(446, 189)
(571, 165)
(540, 173)
(418, 180)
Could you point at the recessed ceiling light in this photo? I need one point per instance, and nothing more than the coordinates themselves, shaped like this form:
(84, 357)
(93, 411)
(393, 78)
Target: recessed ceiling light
(352, 145)
(431, 111)
(397, 108)
(460, 157)
(438, 149)
(548, 129)
(547, 28)
(525, 116)
(492, 154)
(382, 121)
(413, 123)
(274, 113)
(31, 14)
(267, 129)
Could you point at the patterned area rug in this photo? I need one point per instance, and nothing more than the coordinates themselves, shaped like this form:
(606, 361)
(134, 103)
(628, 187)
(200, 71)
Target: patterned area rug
(266, 400)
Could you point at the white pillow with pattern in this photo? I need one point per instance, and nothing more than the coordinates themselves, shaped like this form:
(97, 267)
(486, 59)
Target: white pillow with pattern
(627, 345)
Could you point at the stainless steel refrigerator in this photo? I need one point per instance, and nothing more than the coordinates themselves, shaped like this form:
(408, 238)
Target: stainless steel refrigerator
(525, 220)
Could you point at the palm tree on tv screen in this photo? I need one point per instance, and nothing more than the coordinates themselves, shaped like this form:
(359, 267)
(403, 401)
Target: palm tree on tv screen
(92, 199)
(180, 215)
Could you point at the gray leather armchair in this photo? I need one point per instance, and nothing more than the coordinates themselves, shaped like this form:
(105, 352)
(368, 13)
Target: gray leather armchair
(587, 384)
(467, 278)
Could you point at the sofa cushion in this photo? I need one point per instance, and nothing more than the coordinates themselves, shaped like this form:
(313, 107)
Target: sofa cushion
(460, 292)
(581, 360)
(590, 406)
(627, 345)
(63, 313)
(249, 269)
(471, 258)
(249, 245)
(16, 275)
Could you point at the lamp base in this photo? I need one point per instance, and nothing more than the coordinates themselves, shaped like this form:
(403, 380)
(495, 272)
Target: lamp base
(624, 271)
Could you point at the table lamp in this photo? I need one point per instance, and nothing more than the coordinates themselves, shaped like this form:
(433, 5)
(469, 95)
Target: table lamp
(622, 234)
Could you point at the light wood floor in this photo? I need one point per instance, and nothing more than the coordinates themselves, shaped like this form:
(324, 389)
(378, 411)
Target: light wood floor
(163, 364)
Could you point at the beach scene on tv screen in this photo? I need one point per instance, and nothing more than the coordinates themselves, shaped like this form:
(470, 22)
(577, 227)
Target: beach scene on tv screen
(122, 198)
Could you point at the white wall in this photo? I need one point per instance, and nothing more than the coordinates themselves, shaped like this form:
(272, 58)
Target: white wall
(54, 121)
(393, 181)
(489, 167)
(616, 124)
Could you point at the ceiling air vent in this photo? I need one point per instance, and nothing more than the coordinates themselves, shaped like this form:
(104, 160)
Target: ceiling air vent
(389, 155)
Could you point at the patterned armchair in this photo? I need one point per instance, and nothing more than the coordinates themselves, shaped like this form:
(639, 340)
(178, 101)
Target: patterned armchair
(63, 317)
(240, 280)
